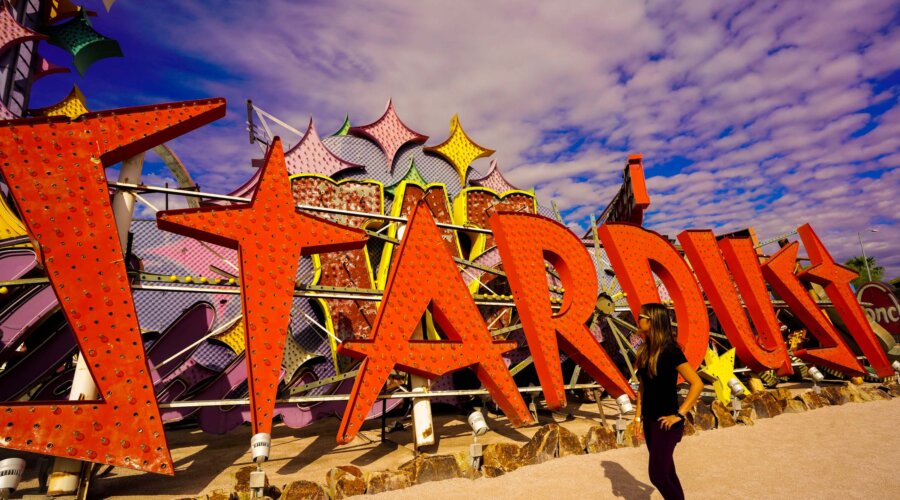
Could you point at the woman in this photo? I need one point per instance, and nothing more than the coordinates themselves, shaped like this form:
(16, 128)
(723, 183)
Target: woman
(659, 362)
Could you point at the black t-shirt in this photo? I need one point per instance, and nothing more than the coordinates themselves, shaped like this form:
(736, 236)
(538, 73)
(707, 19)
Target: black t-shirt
(660, 393)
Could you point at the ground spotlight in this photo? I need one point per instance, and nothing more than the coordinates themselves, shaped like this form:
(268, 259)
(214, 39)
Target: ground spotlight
(816, 375)
(625, 406)
(477, 423)
(259, 446)
(736, 388)
(11, 471)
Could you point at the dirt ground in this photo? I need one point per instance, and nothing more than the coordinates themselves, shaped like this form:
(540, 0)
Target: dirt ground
(849, 451)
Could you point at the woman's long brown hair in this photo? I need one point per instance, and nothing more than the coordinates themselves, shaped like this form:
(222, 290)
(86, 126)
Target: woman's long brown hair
(658, 336)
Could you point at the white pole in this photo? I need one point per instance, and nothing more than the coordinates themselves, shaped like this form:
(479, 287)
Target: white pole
(865, 259)
(66, 473)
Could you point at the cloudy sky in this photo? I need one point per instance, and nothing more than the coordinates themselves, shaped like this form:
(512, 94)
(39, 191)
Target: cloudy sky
(769, 114)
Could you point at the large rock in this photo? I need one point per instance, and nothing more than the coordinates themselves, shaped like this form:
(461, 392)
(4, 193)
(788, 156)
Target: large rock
(747, 415)
(542, 447)
(303, 490)
(690, 429)
(491, 471)
(814, 400)
(781, 394)
(427, 468)
(386, 480)
(466, 468)
(220, 495)
(345, 481)
(702, 418)
(892, 388)
(722, 414)
(856, 395)
(569, 443)
(755, 384)
(764, 404)
(600, 438)
(503, 457)
(793, 406)
(836, 395)
(632, 438)
(877, 393)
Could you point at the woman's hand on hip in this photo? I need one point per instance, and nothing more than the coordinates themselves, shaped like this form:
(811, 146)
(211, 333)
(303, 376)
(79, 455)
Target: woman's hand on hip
(668, 421)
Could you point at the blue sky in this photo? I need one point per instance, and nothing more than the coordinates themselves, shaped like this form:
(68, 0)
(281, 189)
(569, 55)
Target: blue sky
(769, 114)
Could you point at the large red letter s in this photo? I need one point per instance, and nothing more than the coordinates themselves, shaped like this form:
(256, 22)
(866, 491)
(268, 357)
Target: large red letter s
(525, 241)
(768, 351)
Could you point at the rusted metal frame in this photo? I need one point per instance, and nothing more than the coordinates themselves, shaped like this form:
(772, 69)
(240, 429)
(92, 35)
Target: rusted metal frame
(597, 254)
(617, 334)
(774, 239)
(322, 382)
(239, 199)
(345, 397)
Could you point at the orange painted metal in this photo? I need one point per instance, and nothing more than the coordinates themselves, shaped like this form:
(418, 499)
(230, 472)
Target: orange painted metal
(743, 261)
(525, 241)
(637, 254)
(423, 275)
(834, 352)
(55, 172)
(701, 248)
(836, 279)
(270, 236)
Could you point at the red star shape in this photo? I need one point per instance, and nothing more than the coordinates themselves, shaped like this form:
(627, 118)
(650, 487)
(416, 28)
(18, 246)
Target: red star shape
(270, 236)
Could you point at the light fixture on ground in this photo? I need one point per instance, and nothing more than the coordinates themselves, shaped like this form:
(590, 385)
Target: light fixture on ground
(737, 390)
(896, 366)
(625, 406)
(477, 423)
(479, 428)
(11, 471)
(623, 402)
(260, 444)
(816, 377)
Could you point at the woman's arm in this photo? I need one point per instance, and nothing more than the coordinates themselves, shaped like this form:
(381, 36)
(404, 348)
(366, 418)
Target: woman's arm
(690, 376)
(640, 397)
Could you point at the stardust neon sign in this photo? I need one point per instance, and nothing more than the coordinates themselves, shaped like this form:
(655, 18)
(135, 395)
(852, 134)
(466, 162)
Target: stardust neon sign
(55, 170)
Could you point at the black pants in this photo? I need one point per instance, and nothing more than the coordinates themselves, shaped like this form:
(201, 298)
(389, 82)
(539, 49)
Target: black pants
(661, 444)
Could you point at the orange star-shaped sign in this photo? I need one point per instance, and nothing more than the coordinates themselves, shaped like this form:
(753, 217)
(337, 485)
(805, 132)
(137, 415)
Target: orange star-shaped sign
(54, 168)
(270, 236)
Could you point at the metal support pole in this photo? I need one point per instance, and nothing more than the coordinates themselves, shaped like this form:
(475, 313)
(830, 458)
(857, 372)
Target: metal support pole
(865, 259)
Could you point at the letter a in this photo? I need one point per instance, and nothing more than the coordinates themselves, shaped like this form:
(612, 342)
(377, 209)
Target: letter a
(423, 274)
(524, 241)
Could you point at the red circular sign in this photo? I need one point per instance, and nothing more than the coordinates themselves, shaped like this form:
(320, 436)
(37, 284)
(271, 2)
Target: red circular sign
(884, 308)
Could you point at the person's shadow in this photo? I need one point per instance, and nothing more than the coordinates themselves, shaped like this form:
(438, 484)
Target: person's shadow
(624, 485)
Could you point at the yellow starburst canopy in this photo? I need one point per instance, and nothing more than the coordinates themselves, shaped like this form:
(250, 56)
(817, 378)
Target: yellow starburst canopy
(459, 150)
(72, 106)
(233, 337)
